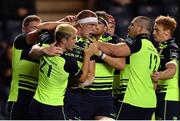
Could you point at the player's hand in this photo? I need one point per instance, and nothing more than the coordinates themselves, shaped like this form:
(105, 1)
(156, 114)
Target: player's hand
(52, 50)
(91, 50)
(70, 18)
(86, 83)
(92, 39)
(155, 77)
(155, 84)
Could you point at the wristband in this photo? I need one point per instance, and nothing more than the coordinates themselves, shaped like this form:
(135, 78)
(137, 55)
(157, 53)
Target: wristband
(103, 56)
(99, 54)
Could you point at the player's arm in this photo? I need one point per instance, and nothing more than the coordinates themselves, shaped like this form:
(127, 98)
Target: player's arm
(117, 50)
(72, 67)
(90, 75)
(169, 72)
(29, 39)
(91, 72)
(32, 37)
(155, 78)
(117, 63)
(122, 49)
(172, 57)
(38, 51)
(87, 67)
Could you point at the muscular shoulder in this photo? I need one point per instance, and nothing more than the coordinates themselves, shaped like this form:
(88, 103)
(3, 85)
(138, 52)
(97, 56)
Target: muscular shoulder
(134, 44)
(20, 41)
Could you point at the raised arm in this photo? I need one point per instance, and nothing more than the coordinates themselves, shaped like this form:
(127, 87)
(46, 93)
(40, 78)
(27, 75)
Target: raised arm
(117, 50)
(115, 62)
(169, 72)
(87, 68)
(32, 37)
(38, 51)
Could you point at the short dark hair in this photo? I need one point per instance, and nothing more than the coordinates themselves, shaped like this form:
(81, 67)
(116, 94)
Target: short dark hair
(102, 14)
(146, 22)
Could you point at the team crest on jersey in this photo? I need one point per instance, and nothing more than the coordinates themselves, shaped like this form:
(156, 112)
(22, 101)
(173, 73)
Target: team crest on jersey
(173, 53)
(129, 41)
(86, 44)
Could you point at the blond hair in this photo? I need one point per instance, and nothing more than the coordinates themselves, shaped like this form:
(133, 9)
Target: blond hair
(64, 31)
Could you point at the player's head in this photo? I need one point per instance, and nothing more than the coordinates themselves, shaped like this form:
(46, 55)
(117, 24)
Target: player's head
(86, 23)
(102, 14)
(30, 23)
(102, 25)
(111, 24)
(65, 35)
(140, 25)
(164, 28)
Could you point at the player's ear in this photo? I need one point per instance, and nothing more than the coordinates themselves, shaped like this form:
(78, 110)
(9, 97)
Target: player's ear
(64, 40)
(80, 25)
(105, 28)
(23, 29)
(139, 29)
(167, 32)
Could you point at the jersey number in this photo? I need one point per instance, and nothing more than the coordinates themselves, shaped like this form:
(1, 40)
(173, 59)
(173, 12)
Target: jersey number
(49, 69)
(153, 58)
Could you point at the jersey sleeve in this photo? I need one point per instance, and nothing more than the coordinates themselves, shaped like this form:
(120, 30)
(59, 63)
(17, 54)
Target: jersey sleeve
(133, 44)
(20, 41)
(93, 58)
(46, 36)
(71, 66)
(115, 39)
(171, 53)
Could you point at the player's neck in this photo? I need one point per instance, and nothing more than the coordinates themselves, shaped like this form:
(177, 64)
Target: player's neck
(62, 46)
